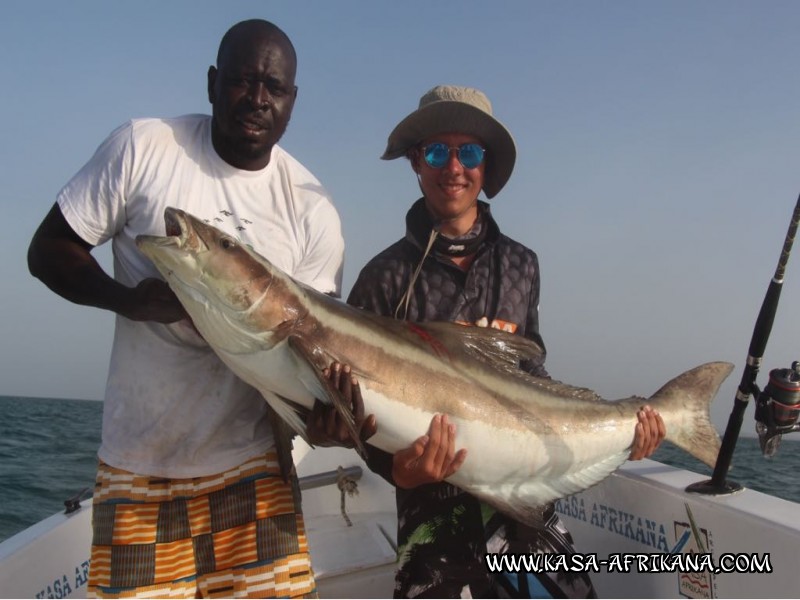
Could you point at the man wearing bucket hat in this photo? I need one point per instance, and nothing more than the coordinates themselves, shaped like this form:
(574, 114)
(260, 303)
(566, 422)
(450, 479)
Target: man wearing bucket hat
(454, 264)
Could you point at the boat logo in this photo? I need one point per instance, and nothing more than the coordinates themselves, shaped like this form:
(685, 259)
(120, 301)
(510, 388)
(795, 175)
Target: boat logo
(695, 540)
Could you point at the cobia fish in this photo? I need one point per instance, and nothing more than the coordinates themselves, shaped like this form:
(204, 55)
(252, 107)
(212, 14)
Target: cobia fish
(529, 440)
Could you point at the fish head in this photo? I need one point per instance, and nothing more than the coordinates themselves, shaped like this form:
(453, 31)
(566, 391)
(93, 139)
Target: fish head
(227, 288)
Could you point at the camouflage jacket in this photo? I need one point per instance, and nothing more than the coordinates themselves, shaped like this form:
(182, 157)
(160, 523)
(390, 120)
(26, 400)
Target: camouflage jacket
(443, 532)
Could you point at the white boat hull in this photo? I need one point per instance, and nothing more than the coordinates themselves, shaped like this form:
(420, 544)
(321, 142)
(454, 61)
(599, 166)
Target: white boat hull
(642, 509)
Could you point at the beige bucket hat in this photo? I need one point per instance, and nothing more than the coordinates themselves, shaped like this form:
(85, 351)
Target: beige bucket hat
(456, 109)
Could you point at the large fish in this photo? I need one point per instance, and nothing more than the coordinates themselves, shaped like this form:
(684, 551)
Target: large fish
(529, 440)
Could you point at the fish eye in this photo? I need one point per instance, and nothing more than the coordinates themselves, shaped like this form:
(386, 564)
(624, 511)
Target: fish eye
(227, 243)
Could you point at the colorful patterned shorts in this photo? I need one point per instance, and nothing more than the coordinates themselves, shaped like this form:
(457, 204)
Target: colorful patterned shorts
(237, 534)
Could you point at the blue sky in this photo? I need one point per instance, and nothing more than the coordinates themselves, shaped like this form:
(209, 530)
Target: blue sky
(658, 158)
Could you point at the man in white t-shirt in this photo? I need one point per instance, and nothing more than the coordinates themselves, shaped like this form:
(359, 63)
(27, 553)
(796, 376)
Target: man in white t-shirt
(189, 499)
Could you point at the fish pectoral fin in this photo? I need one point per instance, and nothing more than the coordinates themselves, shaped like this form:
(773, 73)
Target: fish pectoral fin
(322, 386)
(283, 443)
(293, 415)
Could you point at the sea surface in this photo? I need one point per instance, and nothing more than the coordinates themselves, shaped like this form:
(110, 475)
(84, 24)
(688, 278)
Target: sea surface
(48, 454)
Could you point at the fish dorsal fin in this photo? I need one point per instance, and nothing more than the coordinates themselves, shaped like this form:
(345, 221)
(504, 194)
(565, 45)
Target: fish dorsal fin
(502, 350)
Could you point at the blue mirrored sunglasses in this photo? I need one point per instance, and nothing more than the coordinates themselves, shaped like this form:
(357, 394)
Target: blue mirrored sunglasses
(437, 154)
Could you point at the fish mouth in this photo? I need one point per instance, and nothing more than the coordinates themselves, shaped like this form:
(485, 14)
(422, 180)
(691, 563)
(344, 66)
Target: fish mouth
(180, 234)
(184, 230)
(174, 223)
(179, 229)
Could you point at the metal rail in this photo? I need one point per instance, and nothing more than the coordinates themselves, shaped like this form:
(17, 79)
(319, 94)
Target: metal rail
(309, 482)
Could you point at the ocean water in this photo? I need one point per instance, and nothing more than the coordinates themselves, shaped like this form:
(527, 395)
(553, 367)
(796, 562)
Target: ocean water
(48, 447)
(48, 453)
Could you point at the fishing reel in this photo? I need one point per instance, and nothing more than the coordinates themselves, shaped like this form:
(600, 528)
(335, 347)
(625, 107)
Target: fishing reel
(778, 408)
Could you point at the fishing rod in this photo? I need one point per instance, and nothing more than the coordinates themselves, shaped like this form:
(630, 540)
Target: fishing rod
(778, 406)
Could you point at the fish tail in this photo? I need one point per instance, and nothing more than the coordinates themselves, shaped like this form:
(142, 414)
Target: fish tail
(684, 404)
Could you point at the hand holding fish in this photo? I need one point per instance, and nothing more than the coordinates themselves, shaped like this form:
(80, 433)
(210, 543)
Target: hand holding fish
(431, 458)
(153, 300)
(650, 432)
(63, 260)
(325, 426)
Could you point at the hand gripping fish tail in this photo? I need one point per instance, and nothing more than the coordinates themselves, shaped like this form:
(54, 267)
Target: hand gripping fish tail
(684, 403)
(529, 440)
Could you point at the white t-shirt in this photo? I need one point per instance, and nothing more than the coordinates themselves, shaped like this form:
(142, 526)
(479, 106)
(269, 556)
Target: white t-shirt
(172, 408)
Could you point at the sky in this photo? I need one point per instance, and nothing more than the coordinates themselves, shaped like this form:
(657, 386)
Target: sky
(658, 159)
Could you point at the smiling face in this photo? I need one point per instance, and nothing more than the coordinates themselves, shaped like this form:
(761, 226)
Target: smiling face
(252, 93)
(451, 193)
